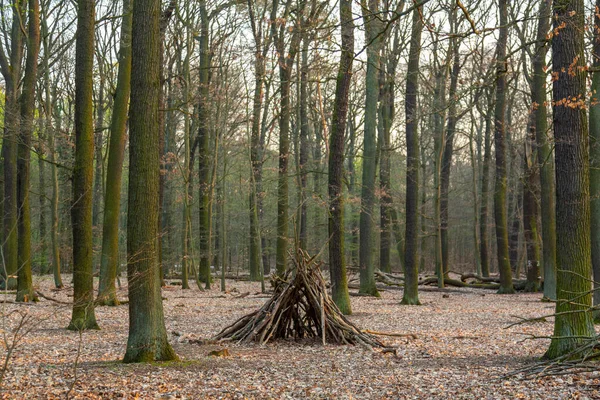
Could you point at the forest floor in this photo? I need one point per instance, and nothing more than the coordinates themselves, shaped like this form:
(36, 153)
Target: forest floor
(462, 349)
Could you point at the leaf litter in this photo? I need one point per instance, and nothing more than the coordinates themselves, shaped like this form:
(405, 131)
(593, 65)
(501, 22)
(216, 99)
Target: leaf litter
(456, 345)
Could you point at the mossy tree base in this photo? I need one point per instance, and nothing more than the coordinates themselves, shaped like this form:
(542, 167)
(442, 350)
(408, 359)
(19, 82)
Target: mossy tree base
(142, 353)
(27, 295)
(410, 301)
(83, 324)
(370, 291)
(342, 301)
(506, 290)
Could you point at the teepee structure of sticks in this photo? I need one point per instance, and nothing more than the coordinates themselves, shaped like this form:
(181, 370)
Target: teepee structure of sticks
(299, 308)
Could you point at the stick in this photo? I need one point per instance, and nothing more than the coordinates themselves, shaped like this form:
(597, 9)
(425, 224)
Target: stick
(410, 335)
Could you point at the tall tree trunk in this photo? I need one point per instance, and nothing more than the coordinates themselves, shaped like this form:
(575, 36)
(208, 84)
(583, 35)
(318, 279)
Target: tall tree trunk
(147, 339)
(41, 153)
(337, 262)
(506, 285)
(186, 259)
(447, 155)
(367, 197)
(204, 158)
(25, 290)
(594, 168)
(544, 153)
(83, 172)
(351, 173)
(98, 140)
(109, 260)
(530, 209)
(286, 63)
(51, 134)
(573, 325)
(303, 156)
(387, 114)
(439, 101)
(12, 74)
(485, 188)
(411, 257)
(165, 17)
(256, 151)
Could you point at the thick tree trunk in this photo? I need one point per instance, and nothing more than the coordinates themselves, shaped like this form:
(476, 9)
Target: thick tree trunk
(147, 339)
(594, 166)
(573, 324)
(506, 285)
(109, 261)
(411, 258)
(12, 75)
(83, 172)
(337, 262)
(25, 290)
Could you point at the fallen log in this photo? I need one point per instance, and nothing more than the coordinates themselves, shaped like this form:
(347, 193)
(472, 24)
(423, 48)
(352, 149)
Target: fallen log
(486, 279)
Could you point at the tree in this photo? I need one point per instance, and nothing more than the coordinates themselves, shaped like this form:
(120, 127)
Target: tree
(504, 267)
(367, 196)
(51, 135)
(25, 290)
(83, 316)
(544, 154)
(11, 71)
(147, 339)
(411, 258)
(204, 153)
(573, 325)
(594, 164)
(337, 263)
(109, 260)
(286, 63)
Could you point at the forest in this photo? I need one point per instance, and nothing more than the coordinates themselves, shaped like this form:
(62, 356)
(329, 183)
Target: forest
(370, 199)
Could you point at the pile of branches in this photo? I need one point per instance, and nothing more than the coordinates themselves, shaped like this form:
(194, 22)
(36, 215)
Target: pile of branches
(583, 358)
(299, 308)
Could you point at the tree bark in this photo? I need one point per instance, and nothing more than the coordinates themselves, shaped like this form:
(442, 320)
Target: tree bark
(506, 285)
(337, 262)
(204, 158)
(12, 74)
(594, 165)
(367, 196)
(109, 261)
(147, 339)
(411, 258)
(573, 325)
(83, 316)
(25, 290)
(544, 153)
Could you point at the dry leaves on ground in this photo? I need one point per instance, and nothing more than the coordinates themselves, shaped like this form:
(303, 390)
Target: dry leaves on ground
(460, 349)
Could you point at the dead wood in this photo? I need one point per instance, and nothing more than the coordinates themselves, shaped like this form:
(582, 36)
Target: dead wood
(392, 334)
(42, 295)
(299, 308)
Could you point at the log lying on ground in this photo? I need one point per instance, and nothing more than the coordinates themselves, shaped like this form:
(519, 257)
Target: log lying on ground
(299, 308)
